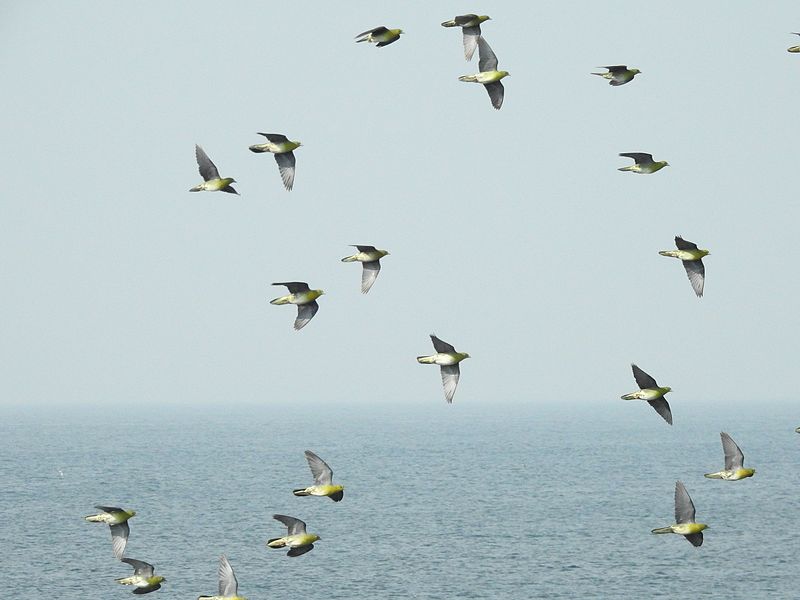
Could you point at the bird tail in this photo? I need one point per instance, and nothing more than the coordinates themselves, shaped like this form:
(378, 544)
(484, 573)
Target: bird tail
(470, 78)
(425, 360)
(626, 168)
(450, 23)
(363, 38)
(94, 518)
(671, 253)
(276, 543)
(197, 188)
(717, 475)
(349, 258)
(301, 492)
(281, 300)
(662, 530)
(600, 74)
(631, 396)
(126, 580)
(258, 148)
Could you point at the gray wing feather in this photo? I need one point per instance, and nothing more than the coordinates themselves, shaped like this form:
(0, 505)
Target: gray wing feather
(683, 244)
(696, 271)
(294, 286)
(208, 170)
(364, 248)
(109, 509)
(286, 162)
(641, 158)
(696, 539)
(441, 346)
(643, 380)
(369, 273)
(616, 68)
(487, 60)
(139, 567)
(496, 93)
(228, 586)
(323, 474)
(275, 138)
(305, 312)
(471, 35)
(119, 538)
(662, 408)
(293, 525)
(684, 507)
(734, 459)
(450, 375)
(375, 31)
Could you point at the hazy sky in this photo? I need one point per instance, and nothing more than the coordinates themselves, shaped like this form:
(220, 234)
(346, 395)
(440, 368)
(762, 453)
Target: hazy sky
(512, 234)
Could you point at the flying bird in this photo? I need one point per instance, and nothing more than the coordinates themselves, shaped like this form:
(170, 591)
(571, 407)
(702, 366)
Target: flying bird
(281, 147)
(142, 578)
(643, 163)
(447, 358)
(304, 298)
(489, 76)
(692, 258)
(228, 586)
(618, 74)
(471, 28)
(297, 539)
(380, 36)
(212, 182)
(323, 480)
(794, 49)
(651, 392)
(685, 524)
(734, 462)
(370, 258)
(117, 519)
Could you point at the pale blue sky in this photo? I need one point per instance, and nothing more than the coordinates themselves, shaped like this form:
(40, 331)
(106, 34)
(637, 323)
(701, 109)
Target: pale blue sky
(512, 234)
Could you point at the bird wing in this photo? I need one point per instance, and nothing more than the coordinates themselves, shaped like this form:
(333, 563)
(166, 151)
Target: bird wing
(376, 31)
(696, 539)
(299, 550)
(450, 375)
(323, 474)
(294, 525)
(496, 93)
(364, 248)
(228, 586)
(683, 244)
(662, 407)
(734, 459)
(286, 162)
(462, 20)
(369, 273)
(684, 507)
(294, 286)
(109, 509)
(643, 380)
(615, 68)
(139, 567)
(208, 170)
(641, 158)
(471, 36)
(275, 138)
(487, 60)
(696, 271)
(305, 312)
(119, 538)
(441, 346)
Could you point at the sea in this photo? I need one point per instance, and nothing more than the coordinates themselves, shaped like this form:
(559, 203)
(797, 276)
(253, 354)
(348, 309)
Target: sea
(507, 500)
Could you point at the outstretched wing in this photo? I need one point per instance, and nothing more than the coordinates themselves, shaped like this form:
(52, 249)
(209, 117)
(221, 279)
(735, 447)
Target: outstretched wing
(641, 158)
(734, 459)
(441, 346)
(323, 474)
(662, 407)
(683, 244)
(119, 538)
(305, 312)
(294, 525)
(208, 170)
(376, 31)
(369, 273)
(643, 380)
(286, 162)
(684, 507)
(696, 271)
(487, 60)
(294, 286)
(228, 586)
(496, 93)
(471, 36)
(364, 248)
(696, 539)
(275, 138)
(450, 375)
(139, 567)
(615, 69)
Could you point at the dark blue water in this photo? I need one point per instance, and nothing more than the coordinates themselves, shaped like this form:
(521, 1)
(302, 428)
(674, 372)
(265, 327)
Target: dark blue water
(440, 501)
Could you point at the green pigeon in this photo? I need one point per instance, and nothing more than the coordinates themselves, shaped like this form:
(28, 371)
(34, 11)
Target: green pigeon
(471, 28)
(794, 49)
(212, 182)
(644, 163)
(370, 259)
(685, 524)
(297, 539)
(323, 480)
(692, 258)
(651, 393)
(143, 579)
(281, 147)
(303, 297)
(380, 36)
(618, 74)
(489, 76)
(734, 462)
(117, 519)
(228, 586)
(447, 358)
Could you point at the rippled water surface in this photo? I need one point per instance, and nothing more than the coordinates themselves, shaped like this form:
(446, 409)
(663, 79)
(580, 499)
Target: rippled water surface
(440, 501)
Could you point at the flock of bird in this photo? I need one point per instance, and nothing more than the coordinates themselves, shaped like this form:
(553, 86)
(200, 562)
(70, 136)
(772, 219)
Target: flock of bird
(297, 539)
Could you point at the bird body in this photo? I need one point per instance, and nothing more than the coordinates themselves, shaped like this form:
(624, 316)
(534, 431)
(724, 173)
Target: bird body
(794, 50)
(117, 520)
(484, 77)
(323, 480)
(297, 539)
(685, 523)
(734, 461)
(305, 299)
(143, 578)
(370, 257)
(618, 74)
(471, 31)
(380, 36)
(650, 392)
(488, 74)
(447, 358)
(281, 146)
(644, 163)
(443, 358)
(647, 394)
(228, 585)
(212, 182)
(692, 258)
(298, 298)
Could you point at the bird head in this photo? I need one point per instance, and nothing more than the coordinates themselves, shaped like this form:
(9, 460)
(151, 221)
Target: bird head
(298, 143)
(466, 356)
(705, 252)
(319, 292)
(384, 252)
(635, 71)
(131, 512)
(666, 389)
(504, 74)
(666, 164)
(483, 18)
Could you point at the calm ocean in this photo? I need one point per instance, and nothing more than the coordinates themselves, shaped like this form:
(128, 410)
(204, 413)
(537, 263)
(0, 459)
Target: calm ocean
(441, 502)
